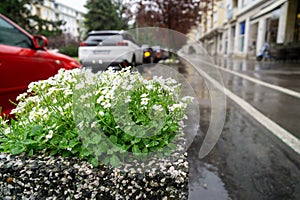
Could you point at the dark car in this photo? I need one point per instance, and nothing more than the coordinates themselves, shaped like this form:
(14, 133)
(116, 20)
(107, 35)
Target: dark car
(148, 54)
(23, 59)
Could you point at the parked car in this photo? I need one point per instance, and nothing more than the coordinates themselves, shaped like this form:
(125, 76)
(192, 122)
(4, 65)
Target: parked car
(102, 49)
(160, 53)
(157, 53)
(23, 59)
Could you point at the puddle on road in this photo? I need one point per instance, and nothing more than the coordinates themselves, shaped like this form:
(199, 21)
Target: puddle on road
(206, 184)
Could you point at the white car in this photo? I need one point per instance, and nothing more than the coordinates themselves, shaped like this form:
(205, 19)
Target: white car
(103, 49)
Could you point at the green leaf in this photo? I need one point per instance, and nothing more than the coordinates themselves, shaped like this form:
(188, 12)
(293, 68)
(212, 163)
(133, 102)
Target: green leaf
(106, 160)
(103, 147)
(153, 144)
(114, 161)
(36, 129)
(136, 140)
(66, 153)
(94, 161)
(17, 149)
(113, 139)
(30, 152)
(125, 147)
(136, 149)
(39, 138)
(53, 152)
(97, 138)
(29, 142)
(172, 146)
(73, 143)
(84, 153)
(145, 150)
(63, 143)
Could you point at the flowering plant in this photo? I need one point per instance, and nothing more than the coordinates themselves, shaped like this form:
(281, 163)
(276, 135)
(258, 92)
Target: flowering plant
(90, 115)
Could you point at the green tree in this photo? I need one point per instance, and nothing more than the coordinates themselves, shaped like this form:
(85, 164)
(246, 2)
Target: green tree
(20, 12)
(123, 12)
(102, 15)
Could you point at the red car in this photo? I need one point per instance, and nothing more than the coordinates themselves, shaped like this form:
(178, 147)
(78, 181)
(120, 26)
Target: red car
(23, 59)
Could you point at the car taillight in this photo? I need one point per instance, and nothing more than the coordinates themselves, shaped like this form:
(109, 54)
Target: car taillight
(82, 44)
(147, 54)
(122, 44)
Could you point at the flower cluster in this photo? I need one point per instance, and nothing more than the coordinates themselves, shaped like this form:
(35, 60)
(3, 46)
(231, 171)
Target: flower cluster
(60, 115)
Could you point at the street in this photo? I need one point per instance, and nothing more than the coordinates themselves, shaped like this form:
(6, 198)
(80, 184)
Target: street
(249, 161)
(257, 154)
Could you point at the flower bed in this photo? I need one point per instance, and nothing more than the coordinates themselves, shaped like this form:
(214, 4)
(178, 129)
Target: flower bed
(115, 126)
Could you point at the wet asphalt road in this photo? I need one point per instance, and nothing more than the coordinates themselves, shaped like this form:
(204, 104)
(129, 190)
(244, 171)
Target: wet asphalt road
(248, 161)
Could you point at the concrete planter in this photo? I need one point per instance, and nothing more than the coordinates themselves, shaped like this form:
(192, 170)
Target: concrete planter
(47, 177)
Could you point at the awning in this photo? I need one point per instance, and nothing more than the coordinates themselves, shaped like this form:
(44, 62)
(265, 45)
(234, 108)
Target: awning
(269, 8)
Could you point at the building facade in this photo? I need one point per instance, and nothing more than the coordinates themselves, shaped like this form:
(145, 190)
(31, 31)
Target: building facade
(53, 11)
(240, 28)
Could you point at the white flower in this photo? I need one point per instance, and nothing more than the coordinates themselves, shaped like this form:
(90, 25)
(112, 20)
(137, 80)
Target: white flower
(129, 87)
(7, 131)
(87, 105)
(187, 99)
(68, 105)
(79, 86)
(85, 96)
(149, 87)
(3, 122)
(128, 99)
(106, 104)
(69, 149)
(21, 96)
(144, 101)
(68, 92)
(94, 124)
(101, 113)
(100, 99)
(81, 125)
(60, 109)
(158, 107)
(144, 95)
(50, 134)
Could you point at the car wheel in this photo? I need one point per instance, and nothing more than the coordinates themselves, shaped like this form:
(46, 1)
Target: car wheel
(133, 62)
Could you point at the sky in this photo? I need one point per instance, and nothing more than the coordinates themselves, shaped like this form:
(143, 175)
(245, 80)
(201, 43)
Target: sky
(76, 4)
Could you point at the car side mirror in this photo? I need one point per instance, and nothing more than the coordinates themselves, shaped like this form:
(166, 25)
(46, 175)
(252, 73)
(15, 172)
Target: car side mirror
(40, 41)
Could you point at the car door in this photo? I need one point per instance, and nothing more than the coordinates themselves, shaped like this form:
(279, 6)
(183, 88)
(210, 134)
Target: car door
(20, 63)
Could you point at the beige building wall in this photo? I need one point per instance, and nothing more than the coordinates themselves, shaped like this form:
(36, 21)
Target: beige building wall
(241, 28)
(53, 11)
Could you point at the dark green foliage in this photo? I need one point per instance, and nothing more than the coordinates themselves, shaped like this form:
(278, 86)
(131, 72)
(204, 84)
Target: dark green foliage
(102, 15)
(20, 12)
(70, 50)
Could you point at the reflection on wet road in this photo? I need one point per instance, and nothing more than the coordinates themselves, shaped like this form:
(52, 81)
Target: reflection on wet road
(249, 161)
(279, 107)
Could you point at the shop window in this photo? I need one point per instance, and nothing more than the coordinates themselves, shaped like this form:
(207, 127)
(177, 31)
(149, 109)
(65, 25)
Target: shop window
(297, 25)
(242, 35)
(272, 31)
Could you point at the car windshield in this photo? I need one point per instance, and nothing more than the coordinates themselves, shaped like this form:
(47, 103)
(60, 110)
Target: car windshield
(9, 35)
